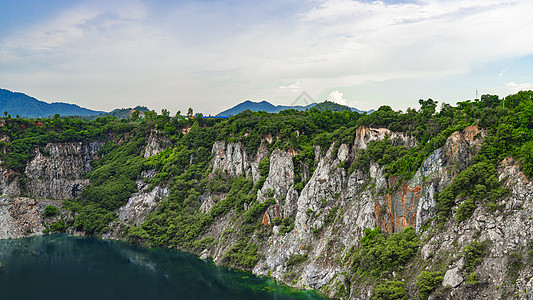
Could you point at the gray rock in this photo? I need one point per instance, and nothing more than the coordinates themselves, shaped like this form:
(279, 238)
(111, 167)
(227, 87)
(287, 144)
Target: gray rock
(204, 254)
(452, 278)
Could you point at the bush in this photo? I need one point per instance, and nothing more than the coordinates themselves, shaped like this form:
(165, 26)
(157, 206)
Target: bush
(296, 259)
(93, 220)
(390, 290)
(473, 254)
(51, 211)
(264, 167)
(241, 255)
(427, 282)
(288, 225)
(465, 210)
(58, 226)
(330, 217)
(380, 252)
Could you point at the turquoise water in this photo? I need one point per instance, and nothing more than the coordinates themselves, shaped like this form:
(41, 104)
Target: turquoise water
(67, 267)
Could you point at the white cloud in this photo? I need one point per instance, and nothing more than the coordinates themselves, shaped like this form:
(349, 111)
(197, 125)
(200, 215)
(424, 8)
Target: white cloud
(293, 87)
(337, 97)
(517, 87)
(215, 55)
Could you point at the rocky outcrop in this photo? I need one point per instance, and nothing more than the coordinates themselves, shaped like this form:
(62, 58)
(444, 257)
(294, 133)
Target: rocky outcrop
(58, 171)
(364, 135)
(231, 158)
(22, 217)
(155, 144)
(504, 232)
(8, 182)
(140, 205)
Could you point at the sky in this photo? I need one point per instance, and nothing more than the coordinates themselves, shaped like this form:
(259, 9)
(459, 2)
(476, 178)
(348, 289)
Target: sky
(211, 55)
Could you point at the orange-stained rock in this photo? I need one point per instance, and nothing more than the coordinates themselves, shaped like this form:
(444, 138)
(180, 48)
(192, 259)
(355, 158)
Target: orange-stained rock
(400, 209)
(266, 219)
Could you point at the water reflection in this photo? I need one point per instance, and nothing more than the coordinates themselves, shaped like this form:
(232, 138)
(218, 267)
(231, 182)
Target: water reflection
(62, 267)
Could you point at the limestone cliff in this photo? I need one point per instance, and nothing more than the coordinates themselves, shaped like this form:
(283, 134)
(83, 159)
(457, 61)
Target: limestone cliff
(328, 215)
(366, 200)
(58, 172)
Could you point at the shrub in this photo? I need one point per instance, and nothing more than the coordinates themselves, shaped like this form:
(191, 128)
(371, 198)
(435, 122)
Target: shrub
(465, 210)
(473, 254)
(264, 167)
(241, 255)
(51, 211)
(296, 259)
(391, 290)
(288, 225)
(427, 282)
(380, 252)
(330, 217)
(514, 265)
(93, 220)
(58, 226)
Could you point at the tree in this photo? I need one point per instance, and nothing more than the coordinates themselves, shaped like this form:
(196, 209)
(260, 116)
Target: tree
(190, 113)
(489, 101)
(427, 107)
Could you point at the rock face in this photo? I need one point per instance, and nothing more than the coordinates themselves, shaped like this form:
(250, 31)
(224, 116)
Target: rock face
(59, 171)
(21, 217)
(140, 205)
(8, 182)
(329, 214)
(231, 158)
(364, 200)
(155, 144)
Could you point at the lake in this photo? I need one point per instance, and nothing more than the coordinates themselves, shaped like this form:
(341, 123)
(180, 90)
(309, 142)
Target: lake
(66, 267)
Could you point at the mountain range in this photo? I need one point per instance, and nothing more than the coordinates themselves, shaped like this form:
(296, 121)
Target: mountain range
(19, 104)
(271, 108)
(25, 106)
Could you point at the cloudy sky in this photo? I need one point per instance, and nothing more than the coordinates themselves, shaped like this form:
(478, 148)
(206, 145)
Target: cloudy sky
(210, 55)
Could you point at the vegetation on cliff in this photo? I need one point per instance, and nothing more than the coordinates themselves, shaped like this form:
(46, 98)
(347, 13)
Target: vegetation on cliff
(180, 221)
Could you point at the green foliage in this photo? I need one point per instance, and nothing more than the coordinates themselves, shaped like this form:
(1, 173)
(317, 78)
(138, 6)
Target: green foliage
(465, 210)
(93, 219)
(471, 278)
(483, 177)
(390, 290)
(241, 255)
(58, 226)
(332, 106)
(264, 167)
(427, 282)
(50, 211)
(113, 177)
(204, 243)
(330, 217)
(136, 234)
(296, 259)
(381, 253)
(255, 212)
(288, 225)
(473, 254)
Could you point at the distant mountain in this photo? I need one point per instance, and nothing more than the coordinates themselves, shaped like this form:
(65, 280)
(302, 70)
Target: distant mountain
(328, 105)
(260, 106)
(29, 107)
(270, 108)
(122, 113)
